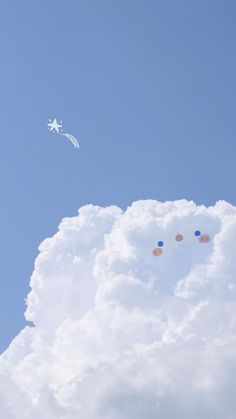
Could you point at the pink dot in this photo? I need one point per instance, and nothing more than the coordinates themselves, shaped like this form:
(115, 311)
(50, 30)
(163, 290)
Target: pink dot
(157, 251)
(179, 237)
(204, 238)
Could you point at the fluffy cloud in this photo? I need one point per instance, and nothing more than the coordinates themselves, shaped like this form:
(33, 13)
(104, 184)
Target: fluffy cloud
(121, 334)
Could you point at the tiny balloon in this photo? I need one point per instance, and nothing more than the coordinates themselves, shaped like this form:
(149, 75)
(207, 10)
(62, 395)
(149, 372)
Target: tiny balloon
(179, 237)
(157, 251)
(160, 243)
(204, 238)
(197, 233)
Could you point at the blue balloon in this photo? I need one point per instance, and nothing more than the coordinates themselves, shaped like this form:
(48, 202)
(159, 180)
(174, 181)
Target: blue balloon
(160, 243)
(197, 233)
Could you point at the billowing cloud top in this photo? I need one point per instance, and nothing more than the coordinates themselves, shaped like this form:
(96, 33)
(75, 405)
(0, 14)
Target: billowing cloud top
(121, 334)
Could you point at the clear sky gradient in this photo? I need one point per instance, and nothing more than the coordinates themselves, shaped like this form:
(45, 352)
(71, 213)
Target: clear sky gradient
(148, 88)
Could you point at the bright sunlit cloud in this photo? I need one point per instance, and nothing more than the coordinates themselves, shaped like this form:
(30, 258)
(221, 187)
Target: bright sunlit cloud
(120, 333)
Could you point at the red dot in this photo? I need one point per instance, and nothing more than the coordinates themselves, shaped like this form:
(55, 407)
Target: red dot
(157, 251)
(204, 238)
(179, 237)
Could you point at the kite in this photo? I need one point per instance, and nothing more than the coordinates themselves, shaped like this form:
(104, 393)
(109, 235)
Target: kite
(55, 127)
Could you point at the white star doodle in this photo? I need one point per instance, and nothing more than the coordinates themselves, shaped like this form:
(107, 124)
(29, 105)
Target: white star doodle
(54, 126)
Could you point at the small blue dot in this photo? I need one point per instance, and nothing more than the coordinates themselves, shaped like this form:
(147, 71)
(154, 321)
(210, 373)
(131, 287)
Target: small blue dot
(160, 243)
(197, 233)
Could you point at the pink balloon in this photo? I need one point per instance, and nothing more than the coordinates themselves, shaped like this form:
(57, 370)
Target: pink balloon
(179, 237)
(204, 238)
(157, 251)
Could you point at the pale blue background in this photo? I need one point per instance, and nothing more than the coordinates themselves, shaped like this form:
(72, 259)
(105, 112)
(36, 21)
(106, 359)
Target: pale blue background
(148, 87)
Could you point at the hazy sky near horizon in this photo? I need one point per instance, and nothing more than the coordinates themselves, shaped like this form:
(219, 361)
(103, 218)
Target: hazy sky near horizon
(148, 88)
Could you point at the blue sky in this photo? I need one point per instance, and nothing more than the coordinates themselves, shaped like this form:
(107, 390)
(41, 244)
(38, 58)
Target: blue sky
(149, 89)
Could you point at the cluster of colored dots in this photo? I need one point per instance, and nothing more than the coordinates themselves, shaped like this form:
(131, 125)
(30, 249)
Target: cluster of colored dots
(202, 238)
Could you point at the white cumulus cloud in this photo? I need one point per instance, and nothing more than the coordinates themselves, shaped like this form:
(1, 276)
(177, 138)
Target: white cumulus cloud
(119, 333)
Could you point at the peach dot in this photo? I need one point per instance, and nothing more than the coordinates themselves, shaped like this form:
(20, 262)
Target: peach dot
(179, 237)
(204, 238)
(157, 251)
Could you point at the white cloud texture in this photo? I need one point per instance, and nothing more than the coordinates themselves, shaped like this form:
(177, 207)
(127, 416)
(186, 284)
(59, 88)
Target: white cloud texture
(121, 334)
